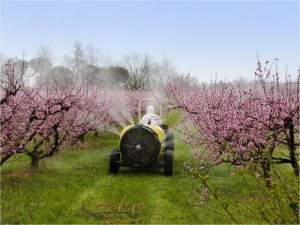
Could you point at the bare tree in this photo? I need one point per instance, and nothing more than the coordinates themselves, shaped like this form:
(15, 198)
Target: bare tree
(77, 62)
(45, 51)
(3, 61)
(94, 56)
(162, 72)
(59, 74)
(138, 67)
(42, 64)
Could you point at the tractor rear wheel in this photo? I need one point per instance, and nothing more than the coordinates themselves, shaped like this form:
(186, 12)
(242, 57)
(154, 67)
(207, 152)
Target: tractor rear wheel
(169, 139)
(113, 164)
(168, 158)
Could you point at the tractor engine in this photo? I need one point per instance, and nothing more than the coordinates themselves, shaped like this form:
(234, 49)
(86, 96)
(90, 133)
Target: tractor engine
(141, 145)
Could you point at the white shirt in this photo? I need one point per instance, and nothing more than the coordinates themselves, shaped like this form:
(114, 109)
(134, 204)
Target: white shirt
(155, 119)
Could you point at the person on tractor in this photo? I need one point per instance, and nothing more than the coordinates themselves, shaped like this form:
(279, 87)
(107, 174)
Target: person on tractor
(150, 118)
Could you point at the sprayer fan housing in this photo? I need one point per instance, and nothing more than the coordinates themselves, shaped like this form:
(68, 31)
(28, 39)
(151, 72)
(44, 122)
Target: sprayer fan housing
(140, 146)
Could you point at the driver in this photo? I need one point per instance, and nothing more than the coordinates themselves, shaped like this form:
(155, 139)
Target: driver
(150, 118)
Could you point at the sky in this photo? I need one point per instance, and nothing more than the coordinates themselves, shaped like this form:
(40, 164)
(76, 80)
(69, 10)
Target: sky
(201, 37)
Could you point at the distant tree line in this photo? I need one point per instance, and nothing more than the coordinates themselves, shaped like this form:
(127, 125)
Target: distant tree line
(133, 72)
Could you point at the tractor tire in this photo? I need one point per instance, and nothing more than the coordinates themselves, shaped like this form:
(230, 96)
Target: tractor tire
(169, 140)
(113, 158)
(169, 159)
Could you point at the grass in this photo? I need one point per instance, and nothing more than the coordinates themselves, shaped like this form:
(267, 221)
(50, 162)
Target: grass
(75, 187)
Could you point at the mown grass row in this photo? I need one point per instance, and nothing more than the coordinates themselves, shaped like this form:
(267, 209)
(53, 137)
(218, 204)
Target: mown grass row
(75, 187)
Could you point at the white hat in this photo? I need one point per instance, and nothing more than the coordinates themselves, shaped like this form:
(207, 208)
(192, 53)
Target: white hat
(150, 109)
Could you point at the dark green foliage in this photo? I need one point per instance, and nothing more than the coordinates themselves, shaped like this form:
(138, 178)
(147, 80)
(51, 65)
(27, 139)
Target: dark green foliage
(120, 74)
(112, 76)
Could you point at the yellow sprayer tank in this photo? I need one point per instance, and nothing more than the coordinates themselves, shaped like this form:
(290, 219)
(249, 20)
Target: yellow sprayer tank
(140, 145)
(144, 146)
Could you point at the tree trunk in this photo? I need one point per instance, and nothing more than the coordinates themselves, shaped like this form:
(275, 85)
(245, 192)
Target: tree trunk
(96, 134)
(34, 162)
(266, 166)
(288, 124)
(292, 149)
(4, 158)
(81, 138)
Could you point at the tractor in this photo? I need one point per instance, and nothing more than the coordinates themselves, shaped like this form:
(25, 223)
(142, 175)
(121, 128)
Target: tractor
(144, 146)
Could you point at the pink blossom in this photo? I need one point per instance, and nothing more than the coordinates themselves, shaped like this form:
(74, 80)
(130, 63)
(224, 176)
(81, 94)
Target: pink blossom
(47, 118)
(234, 124)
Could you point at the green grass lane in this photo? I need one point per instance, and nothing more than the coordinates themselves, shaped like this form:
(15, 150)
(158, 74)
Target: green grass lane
(139, 196)
(75, 187)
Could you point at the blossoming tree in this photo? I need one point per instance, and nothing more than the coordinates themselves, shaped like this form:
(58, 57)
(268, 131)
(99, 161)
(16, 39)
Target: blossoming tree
(37, 121)
(239, 125)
